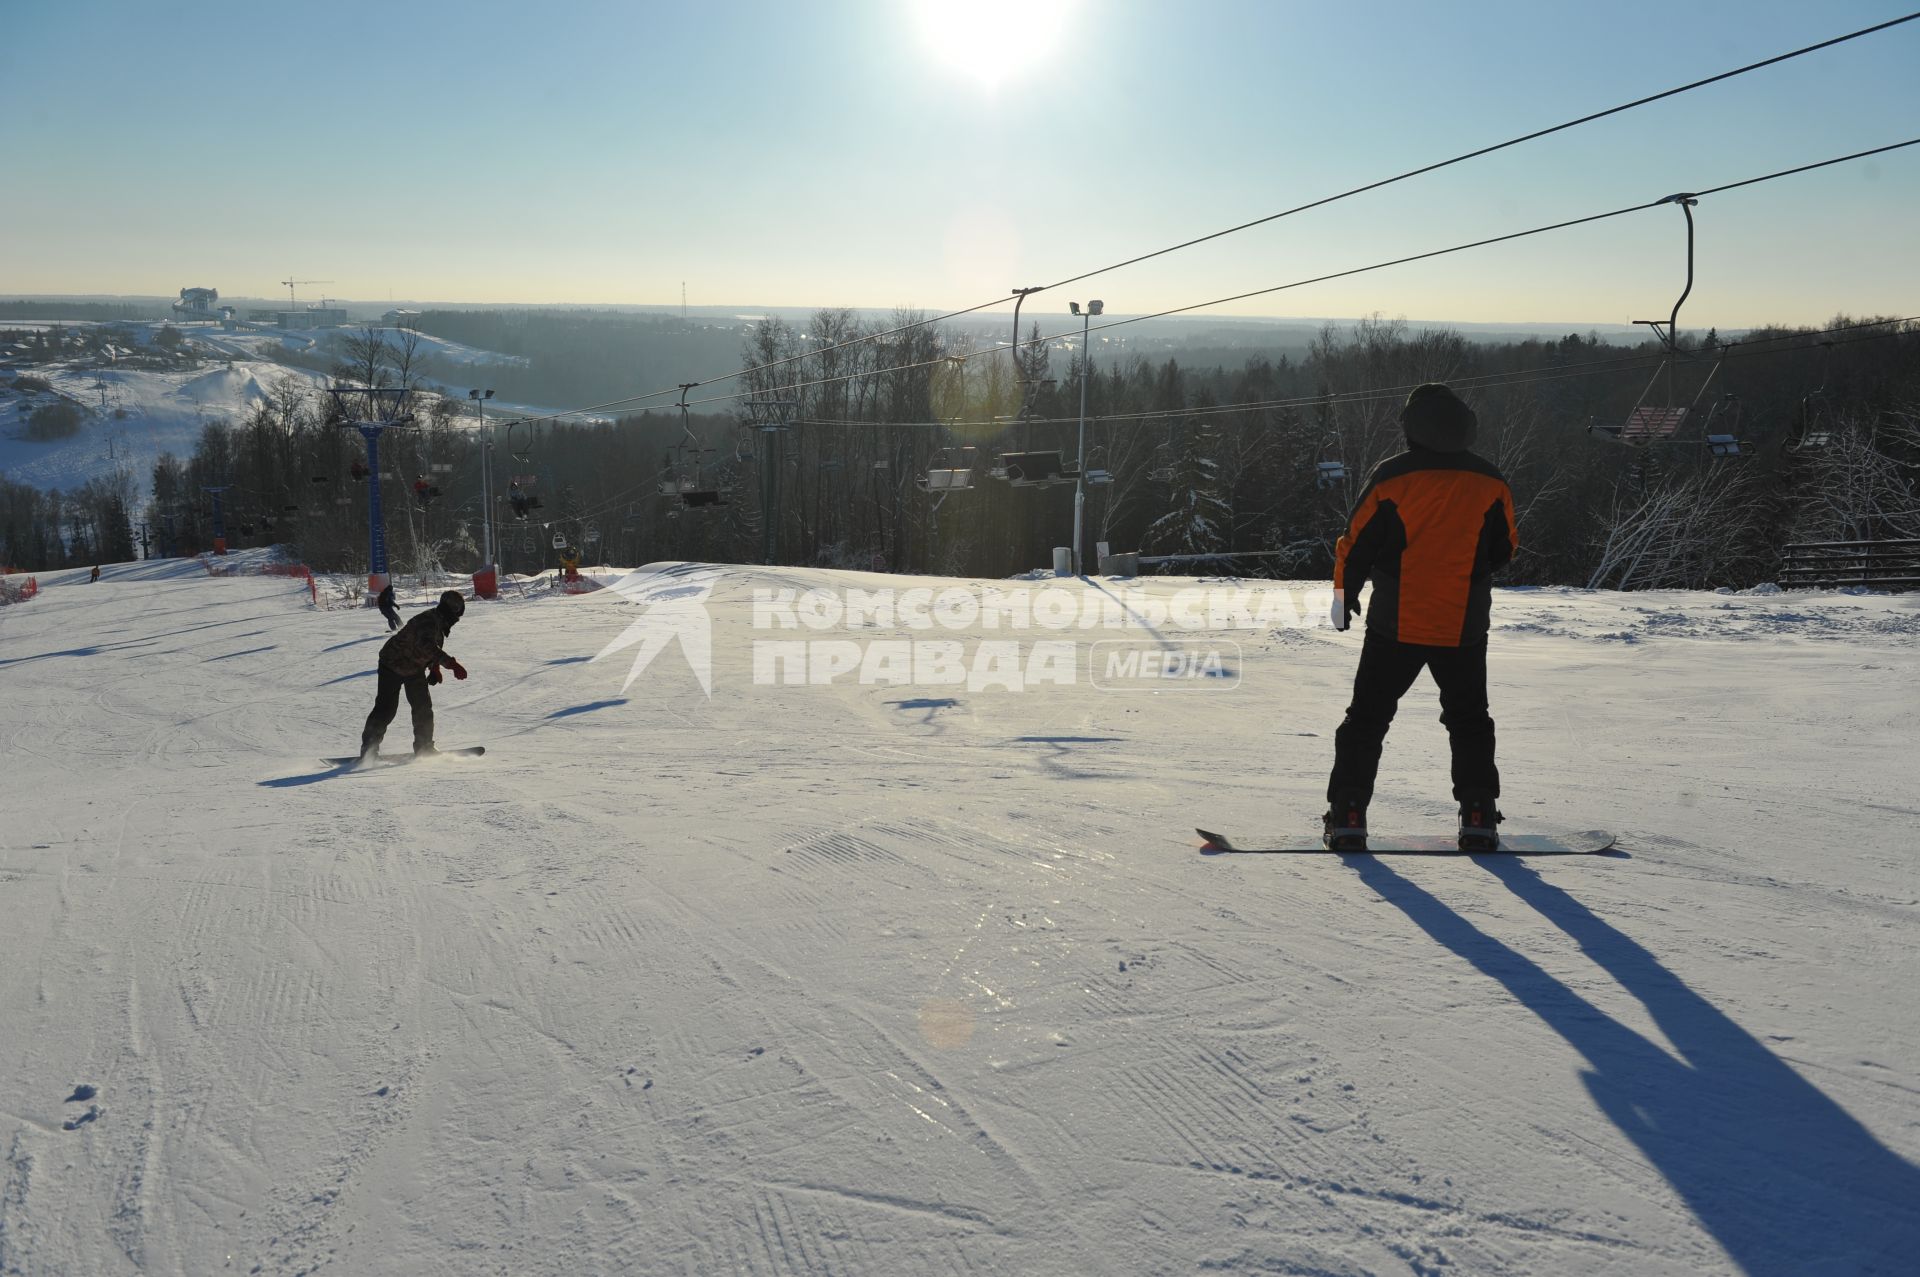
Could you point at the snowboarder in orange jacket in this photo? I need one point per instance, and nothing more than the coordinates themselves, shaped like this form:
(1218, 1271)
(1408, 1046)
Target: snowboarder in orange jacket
(1429, 530)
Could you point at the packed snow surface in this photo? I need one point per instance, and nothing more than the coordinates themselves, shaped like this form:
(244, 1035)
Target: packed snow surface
(879, 979)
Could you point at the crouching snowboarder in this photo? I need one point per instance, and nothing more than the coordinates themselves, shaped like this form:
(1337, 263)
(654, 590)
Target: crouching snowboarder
(387, 608)
(413, 659)
(1430, 528)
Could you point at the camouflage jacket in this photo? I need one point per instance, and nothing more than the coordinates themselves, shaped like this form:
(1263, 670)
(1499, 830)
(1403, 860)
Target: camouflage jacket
(417, 645)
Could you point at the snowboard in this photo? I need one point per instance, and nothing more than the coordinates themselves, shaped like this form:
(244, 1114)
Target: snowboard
(400, 760)
(1584, 843)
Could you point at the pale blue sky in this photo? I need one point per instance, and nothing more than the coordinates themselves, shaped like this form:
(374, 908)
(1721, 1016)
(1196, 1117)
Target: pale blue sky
(833, 153)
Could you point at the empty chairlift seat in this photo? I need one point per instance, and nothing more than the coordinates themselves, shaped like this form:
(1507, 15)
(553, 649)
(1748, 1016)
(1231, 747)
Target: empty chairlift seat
(1032, 469)
(1651, 424)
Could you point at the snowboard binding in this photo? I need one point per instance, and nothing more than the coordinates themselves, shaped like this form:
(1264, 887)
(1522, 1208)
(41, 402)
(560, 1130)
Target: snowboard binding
(1479, 824)
(1344, 827)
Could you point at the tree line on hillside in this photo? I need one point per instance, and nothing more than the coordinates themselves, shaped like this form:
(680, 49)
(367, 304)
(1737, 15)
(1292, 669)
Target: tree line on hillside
(93, 523)
(824, 458)
(567, 357)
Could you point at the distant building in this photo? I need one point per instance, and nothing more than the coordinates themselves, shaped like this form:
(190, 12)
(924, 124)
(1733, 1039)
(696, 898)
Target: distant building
(198, 303)
(311, 317)
(400, 318)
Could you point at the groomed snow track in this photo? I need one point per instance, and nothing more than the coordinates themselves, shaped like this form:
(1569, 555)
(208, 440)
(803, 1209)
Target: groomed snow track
(888, 980)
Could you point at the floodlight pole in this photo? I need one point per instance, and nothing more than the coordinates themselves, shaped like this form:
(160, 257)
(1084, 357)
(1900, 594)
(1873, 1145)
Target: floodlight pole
(1080, 479)
(480, 398)
(219, 518)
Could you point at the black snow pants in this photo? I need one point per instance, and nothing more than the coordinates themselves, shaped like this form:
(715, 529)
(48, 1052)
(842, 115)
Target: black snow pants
(386, 703)
(1387, 670)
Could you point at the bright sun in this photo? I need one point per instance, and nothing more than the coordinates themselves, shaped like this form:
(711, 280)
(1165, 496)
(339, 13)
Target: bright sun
(993, 41)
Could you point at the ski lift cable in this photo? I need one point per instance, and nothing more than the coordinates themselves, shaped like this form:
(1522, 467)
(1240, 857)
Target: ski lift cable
(1272, 217)
(1318, 279)
(1501, 146)
(1512, 235)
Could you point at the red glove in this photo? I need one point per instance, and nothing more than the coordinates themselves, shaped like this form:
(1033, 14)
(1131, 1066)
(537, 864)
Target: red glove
(433, 676)
(459, 670)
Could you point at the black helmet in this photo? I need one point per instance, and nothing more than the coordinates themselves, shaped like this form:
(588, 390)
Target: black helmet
(452, 606)
(1434, 417)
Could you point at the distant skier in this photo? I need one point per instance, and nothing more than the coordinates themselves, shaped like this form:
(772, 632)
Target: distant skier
(1430, 528)
(95, 576)
(412, 659)
(387, 608)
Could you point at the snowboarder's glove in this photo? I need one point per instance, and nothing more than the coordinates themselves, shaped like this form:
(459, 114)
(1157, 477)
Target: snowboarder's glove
(459, 670)
(1344, 610)
(433, 676)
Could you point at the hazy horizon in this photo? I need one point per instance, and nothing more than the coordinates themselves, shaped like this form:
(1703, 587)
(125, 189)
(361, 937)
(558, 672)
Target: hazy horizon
(981, 319)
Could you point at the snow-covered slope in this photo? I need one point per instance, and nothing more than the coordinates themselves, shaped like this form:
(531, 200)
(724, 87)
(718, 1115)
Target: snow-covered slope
(132, 417)
(134, 414)
(884, 979)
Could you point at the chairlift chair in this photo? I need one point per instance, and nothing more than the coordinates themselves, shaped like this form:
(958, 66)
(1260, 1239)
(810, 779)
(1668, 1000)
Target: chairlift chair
(1096, 476)
(1032, 469)
(1721, 431)
(1810, 428)
(950, 471)
(521, 497)
(683, 474)
(520, 440)
(1651, 423)
(1329, 474)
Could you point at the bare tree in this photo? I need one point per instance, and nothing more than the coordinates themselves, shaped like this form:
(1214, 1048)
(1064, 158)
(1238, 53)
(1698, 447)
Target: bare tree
(1690, 532)
(1855, 486)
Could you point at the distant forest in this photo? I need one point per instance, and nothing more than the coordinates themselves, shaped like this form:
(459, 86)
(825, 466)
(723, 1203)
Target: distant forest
(97, 312)
(585, 356)
(1820, 441)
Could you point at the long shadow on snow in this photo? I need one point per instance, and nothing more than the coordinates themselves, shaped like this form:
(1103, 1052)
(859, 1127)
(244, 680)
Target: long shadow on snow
(1783, 1178)
(290, 782)
(251, 651)
(587, 708)
(149, 641)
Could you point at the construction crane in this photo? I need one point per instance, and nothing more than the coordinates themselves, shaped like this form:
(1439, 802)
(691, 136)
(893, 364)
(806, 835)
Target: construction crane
(293, 303)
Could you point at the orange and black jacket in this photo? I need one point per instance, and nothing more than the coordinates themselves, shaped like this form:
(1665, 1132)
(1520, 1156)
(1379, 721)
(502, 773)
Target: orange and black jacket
(1429, 529)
